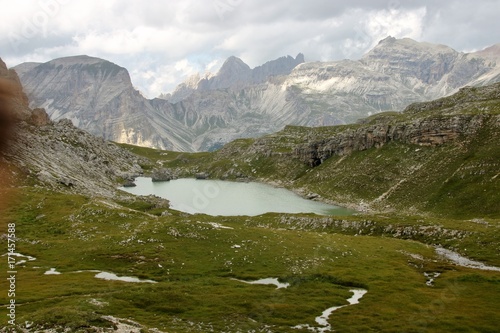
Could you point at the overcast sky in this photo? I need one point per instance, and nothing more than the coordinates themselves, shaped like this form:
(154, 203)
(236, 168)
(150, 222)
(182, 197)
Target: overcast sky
(163, 42)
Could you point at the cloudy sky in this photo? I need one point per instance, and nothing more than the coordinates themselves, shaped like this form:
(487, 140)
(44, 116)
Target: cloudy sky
(161, 42)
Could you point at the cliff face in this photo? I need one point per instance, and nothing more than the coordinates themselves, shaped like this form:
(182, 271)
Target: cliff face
(60, 155)
(425, 132)
(450, 118)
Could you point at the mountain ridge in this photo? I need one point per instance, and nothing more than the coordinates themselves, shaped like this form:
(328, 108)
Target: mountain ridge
(210, 110)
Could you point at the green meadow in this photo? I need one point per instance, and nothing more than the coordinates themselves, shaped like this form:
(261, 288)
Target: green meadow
(195, 260)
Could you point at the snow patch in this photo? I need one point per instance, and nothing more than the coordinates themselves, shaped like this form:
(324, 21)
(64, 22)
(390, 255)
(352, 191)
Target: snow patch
(30, 258)
(218, 226)
(52, 271)
(431, 277)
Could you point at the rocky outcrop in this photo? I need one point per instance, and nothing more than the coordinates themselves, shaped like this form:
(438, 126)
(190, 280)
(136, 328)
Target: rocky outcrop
(66, 158)
(425, 132)
(39, 117)
(450, 118)
(202, 175)
(13, 97)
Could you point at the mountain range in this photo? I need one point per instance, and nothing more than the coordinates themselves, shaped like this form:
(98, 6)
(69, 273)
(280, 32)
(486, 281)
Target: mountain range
(425, 182)
(207, 111)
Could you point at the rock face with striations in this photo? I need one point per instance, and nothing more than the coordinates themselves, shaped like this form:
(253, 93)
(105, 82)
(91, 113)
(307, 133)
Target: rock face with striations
(208, 111)
(62, 156)
(453, 121)
(98, 96)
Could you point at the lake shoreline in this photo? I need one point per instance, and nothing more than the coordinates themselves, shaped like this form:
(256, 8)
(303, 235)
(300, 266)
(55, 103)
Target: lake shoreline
(250, 198)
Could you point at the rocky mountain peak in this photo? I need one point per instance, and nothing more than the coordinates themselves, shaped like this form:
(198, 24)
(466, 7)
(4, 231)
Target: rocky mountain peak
(300, 58)
(387, 40)
(407, 45)
(233, 65)
(235, 74)
(77, 60)
(411, 61)
(280, 66)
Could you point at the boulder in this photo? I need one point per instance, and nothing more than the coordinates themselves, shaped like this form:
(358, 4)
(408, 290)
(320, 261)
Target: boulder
(161, 175)
(129, 183)
(201, 175)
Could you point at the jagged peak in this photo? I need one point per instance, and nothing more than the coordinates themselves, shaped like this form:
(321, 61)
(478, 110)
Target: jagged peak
(300, 58)
(387, 40)
(192, 80)
(234, 64)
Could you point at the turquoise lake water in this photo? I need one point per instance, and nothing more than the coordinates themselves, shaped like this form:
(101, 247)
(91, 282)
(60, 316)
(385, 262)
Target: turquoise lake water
(225, 198)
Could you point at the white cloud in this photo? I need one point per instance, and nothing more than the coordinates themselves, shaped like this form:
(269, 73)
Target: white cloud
(161, 42)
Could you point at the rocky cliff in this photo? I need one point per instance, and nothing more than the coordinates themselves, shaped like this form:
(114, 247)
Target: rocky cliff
(61, 156)
(422, 132)
(208, 111)
(413, 126)
(98, 96)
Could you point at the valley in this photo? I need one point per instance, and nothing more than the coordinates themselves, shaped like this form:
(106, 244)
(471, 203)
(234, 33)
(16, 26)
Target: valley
(425, 182)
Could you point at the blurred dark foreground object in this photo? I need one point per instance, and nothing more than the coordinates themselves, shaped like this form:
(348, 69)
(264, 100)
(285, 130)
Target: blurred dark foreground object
(7, 117)
(7, 122)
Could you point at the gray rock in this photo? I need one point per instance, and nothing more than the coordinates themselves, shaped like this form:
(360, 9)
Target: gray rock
(201, 175)
(66, 181)
(161, 175)
(129, 183)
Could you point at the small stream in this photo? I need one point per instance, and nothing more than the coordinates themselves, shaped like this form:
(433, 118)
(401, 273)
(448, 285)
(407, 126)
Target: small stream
(322, 320)
(460, 260)
(267, 281)
(324, 325)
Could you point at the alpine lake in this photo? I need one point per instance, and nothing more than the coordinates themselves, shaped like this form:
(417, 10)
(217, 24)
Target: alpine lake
(226, 198)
